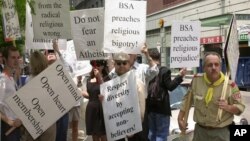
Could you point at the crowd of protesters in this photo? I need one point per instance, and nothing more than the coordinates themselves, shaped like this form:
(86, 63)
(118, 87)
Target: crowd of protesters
(151, 80)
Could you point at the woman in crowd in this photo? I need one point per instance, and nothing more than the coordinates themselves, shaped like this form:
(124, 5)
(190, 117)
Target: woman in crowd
(94, 113)
(38, 63)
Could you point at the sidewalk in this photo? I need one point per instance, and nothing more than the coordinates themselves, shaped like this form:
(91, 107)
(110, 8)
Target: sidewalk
(82, 129)
(246, 100)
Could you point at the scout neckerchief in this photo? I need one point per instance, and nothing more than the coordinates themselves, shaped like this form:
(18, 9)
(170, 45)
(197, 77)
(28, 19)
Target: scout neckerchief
(210, 90)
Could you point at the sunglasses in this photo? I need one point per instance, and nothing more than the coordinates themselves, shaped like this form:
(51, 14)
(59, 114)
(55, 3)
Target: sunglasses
(122, 63)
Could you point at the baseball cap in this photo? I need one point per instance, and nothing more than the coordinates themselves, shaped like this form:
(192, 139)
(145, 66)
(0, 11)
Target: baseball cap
(121, 57)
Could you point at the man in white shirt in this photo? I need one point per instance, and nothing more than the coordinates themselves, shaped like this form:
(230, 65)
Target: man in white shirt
(144, 72)
(9, 87)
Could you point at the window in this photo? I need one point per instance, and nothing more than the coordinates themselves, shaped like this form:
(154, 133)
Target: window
(172, 2)
(165, 2)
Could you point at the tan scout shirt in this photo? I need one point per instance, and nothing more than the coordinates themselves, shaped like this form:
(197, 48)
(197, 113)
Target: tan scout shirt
(206, 115)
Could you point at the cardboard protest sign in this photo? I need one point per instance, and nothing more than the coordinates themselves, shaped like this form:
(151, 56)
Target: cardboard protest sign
(121, 107)
(232, 49)
(41, 102)
(31, 43)
(10, 21)
(78, 67)
(124, 26)
(87, 27)
(185, 44)
(51, 19)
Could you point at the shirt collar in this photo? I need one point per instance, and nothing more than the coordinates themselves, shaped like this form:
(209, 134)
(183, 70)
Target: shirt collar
(135, 65)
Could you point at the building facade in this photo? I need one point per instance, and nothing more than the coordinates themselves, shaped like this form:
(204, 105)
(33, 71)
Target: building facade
(85, 4)
(215, 16)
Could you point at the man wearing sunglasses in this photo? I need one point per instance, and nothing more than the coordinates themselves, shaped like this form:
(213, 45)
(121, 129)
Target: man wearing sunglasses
(122, 66)
(144, 72)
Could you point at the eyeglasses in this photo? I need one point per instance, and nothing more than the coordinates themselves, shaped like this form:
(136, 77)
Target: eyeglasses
(121, 63)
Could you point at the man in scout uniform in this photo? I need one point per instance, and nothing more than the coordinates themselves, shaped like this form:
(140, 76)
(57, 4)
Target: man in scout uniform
(206, 90)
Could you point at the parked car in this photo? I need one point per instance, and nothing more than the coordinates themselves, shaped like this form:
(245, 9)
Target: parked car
(175, 101)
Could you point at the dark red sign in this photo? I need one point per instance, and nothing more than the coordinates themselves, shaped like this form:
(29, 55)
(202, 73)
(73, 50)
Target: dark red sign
(211, 40)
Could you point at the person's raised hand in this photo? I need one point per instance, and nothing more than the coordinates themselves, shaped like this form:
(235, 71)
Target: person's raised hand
(55, 46)
(144, 49)
(183, 72)
(15, 123)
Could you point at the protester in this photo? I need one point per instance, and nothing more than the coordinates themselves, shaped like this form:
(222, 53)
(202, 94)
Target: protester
(110, 63)
(9, 87)
(21, 79)
(38, 63)
(94, 113)
(74, 113)
(158, 104)
(206, 90)
(122, 66)
(144, 72)
(62, 123)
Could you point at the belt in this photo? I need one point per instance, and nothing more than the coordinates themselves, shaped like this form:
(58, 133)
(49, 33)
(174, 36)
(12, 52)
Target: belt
(210, 127)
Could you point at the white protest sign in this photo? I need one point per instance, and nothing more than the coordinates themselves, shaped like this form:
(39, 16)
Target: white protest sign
(185, 44)
(232, 48)
(41, 102)
(87, 27)
(10, 21)
(125, 26)
(121, 107)
(51, 19)
(31, 43)
(78, 67)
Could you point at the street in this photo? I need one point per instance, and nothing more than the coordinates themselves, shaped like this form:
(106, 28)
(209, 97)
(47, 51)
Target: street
(246, 100)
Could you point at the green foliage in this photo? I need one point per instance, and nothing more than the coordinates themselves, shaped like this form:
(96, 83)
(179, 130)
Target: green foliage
(21, 11)
(20, 8)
